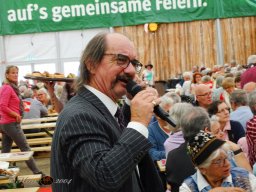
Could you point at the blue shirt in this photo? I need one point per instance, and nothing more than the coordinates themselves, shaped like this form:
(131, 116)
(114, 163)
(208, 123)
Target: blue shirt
(242, 114)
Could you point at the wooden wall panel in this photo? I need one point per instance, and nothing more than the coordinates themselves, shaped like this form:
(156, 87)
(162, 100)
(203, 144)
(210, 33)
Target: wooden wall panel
(239, 38)
(176, 47)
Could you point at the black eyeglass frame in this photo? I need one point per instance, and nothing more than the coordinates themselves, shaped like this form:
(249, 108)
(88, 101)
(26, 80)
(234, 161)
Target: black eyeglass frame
(124, 61)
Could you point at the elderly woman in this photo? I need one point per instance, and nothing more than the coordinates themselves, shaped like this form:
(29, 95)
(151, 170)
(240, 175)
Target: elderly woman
(210, 157)
(175, 138)
(44, 98)
(158, 130)
(239, 158)
(232, 130)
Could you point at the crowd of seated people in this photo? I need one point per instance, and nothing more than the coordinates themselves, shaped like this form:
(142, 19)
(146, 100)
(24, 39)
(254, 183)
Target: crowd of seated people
(222, 104)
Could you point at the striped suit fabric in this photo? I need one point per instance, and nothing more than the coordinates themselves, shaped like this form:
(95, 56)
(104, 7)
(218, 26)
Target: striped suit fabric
(90, 153)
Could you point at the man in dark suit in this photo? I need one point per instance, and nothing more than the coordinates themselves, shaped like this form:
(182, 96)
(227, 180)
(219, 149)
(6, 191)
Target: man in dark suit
(91, 150)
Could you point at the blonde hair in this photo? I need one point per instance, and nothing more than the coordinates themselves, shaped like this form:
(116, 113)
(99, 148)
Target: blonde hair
(228, 82)
(7, 71)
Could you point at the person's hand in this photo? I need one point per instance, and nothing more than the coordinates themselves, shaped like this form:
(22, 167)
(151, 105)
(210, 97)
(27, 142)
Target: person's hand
(142, 105)
(227, 189)
(18, 118)
(49, 86)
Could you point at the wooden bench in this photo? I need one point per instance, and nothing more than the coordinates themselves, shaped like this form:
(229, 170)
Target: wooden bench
(37, 135)
(40, 141)
(35, 149)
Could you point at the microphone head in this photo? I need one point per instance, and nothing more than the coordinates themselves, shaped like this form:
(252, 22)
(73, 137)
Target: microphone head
(132, 87)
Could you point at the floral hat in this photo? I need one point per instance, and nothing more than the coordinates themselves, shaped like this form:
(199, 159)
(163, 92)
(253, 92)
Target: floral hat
(202, 145)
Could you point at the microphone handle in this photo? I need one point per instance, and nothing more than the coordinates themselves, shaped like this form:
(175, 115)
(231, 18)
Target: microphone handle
(164, 115)
(133, 88)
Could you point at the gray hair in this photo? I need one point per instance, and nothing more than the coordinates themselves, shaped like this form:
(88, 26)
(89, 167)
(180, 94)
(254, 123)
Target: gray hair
(176, 112)
(223, 148)
(90, 59)
(214, 120)
(194, 120)
(239, 97)
(219, 80)
(44, 91)
(169, 98)
(206, 79)
(251, 59)
(28, 93)
(252, 101)
(187, 74)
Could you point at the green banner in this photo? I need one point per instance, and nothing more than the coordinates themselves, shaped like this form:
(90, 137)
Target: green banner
(32, 16)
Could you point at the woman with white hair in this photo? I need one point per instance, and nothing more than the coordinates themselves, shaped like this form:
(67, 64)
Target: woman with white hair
(175, 138)
(238, 156)
(44, 98)
(187, 83)
(210, 157)
(158, 129)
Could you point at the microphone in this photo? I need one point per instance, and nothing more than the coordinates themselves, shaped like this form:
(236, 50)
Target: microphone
(133, 88)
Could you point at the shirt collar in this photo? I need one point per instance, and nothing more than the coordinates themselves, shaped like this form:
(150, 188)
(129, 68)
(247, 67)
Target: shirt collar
(202, 183)
(227, 126)
(111, 105)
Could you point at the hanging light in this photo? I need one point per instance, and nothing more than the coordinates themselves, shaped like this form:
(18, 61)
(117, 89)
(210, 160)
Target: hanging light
(152, 27)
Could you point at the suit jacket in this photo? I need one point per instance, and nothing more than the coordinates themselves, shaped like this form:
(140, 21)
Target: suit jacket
(236, 132)
(90, 153)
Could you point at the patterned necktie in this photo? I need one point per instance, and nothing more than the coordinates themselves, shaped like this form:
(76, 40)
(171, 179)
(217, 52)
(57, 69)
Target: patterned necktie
(120, 118)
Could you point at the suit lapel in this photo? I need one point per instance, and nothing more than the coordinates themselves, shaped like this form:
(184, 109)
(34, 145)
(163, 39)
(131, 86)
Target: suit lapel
(97, 103)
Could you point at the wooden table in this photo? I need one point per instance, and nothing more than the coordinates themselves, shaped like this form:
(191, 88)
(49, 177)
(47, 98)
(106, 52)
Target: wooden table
(18, 156)
(31, 189)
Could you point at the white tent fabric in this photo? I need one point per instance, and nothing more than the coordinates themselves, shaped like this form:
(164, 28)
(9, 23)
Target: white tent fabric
(28, 47)
(54, 49)
(72, 43)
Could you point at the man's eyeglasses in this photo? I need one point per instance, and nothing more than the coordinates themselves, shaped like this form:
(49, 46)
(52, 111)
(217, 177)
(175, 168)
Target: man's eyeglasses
(124, 61)
(205, 94)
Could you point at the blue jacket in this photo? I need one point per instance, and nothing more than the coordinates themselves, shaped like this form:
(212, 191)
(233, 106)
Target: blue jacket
(157, 137)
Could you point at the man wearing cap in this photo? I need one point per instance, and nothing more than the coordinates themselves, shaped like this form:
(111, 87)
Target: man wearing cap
(179, 165)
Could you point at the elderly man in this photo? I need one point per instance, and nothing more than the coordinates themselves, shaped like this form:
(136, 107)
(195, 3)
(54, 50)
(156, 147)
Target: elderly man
(250, 74)
(179, 165)
(203, 95)
(250, 87)
(241, 111)
(93, 149)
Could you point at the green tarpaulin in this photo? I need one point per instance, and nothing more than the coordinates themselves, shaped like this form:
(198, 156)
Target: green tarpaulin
(31, 16)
